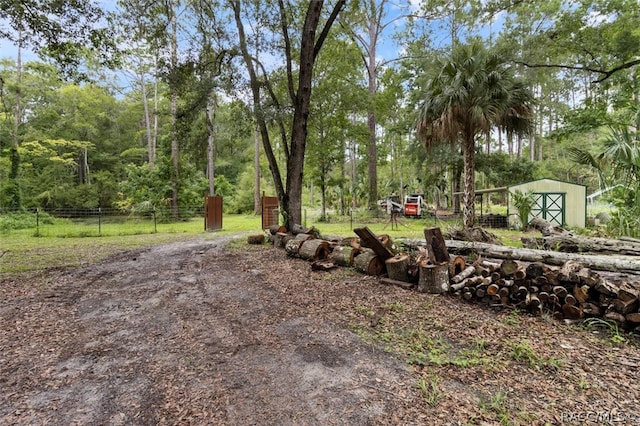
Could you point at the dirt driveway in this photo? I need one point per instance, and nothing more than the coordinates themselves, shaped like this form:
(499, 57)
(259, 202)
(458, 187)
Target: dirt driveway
(190, 333)
(196, 333)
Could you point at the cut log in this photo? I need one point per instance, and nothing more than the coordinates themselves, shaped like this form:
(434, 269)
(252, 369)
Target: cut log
(280, 239)
(314, 249)
(436, 247)
(572, 312)
(536, 270)
(368, 239)
(633, 318)
(457, 265)
(433, 279)
(303, 237)
(386, 241)
(292, 247)
(468, 271)
(343, 255)
(274, 229)
(257, 239)
(397, 267)
(625, 306)
(508, 267)
(369, 263)
(581, 293)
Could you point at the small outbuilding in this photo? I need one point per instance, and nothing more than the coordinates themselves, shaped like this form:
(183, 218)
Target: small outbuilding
(558, 202)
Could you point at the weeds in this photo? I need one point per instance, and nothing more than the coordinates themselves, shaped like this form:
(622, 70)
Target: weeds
(523, 352)
(611, 327)
(430, 391)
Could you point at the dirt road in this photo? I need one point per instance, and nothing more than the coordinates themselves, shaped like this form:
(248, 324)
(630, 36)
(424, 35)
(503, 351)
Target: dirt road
(189, 333)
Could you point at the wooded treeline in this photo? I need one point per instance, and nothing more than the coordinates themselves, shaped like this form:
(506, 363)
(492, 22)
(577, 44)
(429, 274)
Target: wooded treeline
(315, 100)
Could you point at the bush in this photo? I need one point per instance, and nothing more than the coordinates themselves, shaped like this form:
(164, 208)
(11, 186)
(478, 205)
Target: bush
(23, 220)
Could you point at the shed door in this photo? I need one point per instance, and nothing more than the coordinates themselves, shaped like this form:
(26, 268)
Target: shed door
(550, 207)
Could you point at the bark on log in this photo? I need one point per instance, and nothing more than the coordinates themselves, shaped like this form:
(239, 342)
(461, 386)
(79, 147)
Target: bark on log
(274, 229)
(398, 267)
(558, 239)
(603, 263)
(468, 271)
(314, 249)
(369, 263)
(343, 255)
(280, 239)
(433, 279)
(368, 239)
(436, 247)
(292, 247)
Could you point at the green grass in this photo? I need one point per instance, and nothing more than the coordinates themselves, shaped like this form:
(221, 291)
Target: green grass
(62, 244)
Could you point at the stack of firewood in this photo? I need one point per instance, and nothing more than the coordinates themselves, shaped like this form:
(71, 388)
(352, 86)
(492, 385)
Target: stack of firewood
(569, 292)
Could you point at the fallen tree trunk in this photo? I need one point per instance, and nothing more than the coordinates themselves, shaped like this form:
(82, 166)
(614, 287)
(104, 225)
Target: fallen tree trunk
(343, 255)
(558, 239)
(601, 263)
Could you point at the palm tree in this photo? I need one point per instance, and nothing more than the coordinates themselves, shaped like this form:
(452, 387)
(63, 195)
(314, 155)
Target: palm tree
(469, 93)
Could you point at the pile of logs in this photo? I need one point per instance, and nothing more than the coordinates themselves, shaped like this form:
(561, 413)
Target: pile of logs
(567, 290)
(572, 291)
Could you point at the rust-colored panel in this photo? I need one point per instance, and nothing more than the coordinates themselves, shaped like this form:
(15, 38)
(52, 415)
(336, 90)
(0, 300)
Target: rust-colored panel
(269, 211)
(213, 213)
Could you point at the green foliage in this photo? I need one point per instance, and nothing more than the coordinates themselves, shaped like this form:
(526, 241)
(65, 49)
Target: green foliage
(500, 170)
(22, 220)
(524, 203)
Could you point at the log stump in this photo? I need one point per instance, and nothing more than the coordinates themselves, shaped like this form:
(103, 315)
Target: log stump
(314, 249)
(369, 263)
(398, 267)
(433, 279)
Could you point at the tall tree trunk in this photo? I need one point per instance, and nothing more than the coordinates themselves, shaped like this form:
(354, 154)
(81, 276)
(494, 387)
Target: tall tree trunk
(147, 120)
(14, 195)
(295, 165)
(211, 106)
(174, 113)
(371, 115)
(257, 201)
(469, 181)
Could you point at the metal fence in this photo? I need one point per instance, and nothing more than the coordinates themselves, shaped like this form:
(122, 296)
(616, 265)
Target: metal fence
(94, 222)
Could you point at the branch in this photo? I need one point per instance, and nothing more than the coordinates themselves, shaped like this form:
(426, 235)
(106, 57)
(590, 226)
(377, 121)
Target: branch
(287, 50)
(327, 26)
(274, 99)
(604, 73)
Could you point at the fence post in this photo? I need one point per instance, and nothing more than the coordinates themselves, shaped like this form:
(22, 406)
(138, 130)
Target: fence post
(99, 221)
(155, 224)
(37, 221)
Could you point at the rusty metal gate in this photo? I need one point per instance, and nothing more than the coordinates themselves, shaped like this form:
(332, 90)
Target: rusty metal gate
(213, 213)
(269, 211)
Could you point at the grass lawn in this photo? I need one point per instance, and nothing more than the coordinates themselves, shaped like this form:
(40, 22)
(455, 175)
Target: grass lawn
(64, 243)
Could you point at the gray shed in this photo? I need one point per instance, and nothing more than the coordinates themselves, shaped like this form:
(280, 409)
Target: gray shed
(561, 203)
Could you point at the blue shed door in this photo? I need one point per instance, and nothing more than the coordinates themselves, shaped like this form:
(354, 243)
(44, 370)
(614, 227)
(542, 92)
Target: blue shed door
(550, 207)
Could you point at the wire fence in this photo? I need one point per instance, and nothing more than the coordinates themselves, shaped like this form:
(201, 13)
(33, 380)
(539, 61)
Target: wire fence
(97, 222)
